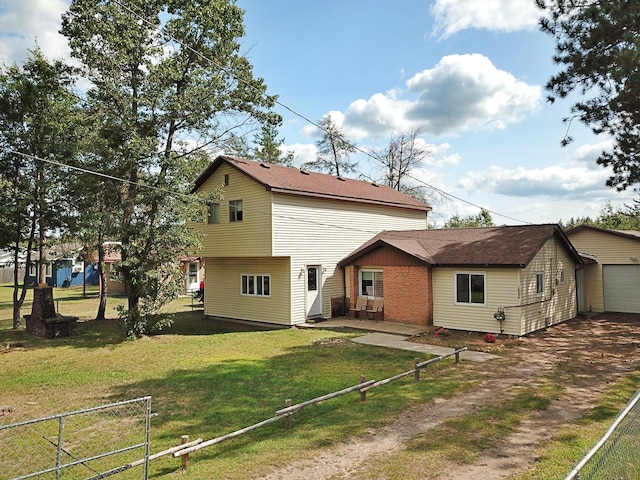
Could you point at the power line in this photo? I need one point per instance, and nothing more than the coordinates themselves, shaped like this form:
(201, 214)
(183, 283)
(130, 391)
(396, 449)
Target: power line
(299, 115)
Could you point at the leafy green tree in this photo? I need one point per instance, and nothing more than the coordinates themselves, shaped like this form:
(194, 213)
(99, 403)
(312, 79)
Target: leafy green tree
(334, 150)
(267, 147)
(39, 121)
(597, 48)
(162, 72)
(482, 219)
(399, 159)
(626, 217)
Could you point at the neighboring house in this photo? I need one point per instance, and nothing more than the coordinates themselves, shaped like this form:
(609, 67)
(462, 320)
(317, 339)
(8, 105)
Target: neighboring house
(611, 282)
(65, 267)
(271, 247)
(112, 256)
(461, 278)
(193, 271)
(7, 266)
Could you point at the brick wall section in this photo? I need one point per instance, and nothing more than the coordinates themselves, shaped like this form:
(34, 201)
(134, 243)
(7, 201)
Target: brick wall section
(407, 293)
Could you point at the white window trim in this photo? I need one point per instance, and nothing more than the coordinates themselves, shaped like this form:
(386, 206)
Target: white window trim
(234, 210)
(563, 276)
(261, 295)
(372, 270)
(540, 294)
(455, 289)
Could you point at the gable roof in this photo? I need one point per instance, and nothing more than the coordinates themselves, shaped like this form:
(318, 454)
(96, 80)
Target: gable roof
(292, 181)
(507, 246)
(629, 234)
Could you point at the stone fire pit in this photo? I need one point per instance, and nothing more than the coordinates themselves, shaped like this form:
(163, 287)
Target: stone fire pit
(44, 321)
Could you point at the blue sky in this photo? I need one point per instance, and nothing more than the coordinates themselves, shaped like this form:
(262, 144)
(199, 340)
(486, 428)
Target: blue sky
(469, 73)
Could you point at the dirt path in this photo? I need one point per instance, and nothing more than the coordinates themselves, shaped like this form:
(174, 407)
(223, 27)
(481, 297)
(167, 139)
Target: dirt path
(600, 349)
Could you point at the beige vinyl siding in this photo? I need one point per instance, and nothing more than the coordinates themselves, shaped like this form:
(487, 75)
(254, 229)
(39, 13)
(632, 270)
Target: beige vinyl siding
(223, 277)
(558, 302)
(322, 232)
(608, 249)
(501, 289)
(250, 237)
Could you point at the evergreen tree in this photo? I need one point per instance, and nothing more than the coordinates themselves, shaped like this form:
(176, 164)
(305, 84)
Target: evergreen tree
(267, 147)
(334, 150)
(39, 129)
(597, 47)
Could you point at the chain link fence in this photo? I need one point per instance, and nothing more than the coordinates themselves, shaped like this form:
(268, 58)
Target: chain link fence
(615, 456)
(91, 443)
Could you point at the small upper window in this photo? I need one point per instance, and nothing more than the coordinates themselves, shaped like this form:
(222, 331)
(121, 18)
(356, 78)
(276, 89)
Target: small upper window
(540, 283)
(563, 277)
(226, 179)
(235, 210)
(214, 213)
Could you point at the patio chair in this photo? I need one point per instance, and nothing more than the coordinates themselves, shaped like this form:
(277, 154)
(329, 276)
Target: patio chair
(361, 307)
(376, 310)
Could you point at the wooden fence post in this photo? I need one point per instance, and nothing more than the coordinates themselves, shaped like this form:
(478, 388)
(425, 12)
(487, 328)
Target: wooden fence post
(457, 354)
(363, 394)
(416, 374)
(287, 418)
(185, 458)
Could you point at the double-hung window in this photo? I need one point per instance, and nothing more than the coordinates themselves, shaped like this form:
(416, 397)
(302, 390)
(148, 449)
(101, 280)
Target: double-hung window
(235, 210)
(214, 213)
(371, 283)
(470, 288)
(258, 285)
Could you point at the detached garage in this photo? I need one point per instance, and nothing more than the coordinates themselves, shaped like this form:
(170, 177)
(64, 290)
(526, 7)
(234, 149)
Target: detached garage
(612, 283)
(621, 288)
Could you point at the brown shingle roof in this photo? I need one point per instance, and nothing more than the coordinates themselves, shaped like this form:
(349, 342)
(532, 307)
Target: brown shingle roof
(507, 246)
(292, 181)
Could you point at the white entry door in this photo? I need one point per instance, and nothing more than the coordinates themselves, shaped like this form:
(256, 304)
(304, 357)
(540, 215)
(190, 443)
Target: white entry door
(314, 291)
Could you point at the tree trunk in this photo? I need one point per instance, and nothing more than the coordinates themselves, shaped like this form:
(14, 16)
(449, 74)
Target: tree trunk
(102, 278)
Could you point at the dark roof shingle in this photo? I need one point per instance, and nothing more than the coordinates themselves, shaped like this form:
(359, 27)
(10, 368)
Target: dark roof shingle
(292, 181)
(506, 246)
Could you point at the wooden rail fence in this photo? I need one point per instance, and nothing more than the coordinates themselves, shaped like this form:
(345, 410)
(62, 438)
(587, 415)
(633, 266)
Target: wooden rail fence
(285, 413)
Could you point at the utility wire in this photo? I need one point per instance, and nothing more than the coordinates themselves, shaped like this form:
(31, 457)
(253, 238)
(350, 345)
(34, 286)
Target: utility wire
(301, 116)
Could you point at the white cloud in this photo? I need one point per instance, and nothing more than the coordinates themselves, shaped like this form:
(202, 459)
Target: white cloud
(25, 23)
(303, 152)
(461, 93)
(503, 15)
(589, 152)
(550, 181)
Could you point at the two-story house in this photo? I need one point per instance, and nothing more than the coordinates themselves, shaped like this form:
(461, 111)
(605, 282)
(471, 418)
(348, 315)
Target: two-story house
(272, 244)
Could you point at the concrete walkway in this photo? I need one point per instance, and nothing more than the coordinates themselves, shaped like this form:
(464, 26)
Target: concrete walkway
(393, 335)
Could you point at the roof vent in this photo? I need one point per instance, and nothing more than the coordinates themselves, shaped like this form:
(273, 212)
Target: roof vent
(375, 185)
(341, 179)
(304, 173)
(264, 165)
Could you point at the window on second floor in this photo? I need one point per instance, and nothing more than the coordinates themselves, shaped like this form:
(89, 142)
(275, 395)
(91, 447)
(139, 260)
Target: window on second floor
(214, 213)
(235, 210)
(539, 283)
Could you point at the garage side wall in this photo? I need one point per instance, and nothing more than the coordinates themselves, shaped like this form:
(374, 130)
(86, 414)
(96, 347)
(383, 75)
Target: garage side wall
(608, 249)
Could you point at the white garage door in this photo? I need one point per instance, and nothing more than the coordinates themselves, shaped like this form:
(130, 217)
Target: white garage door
(621, 288)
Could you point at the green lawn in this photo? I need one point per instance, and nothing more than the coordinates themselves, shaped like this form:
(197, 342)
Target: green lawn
(208, 378)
